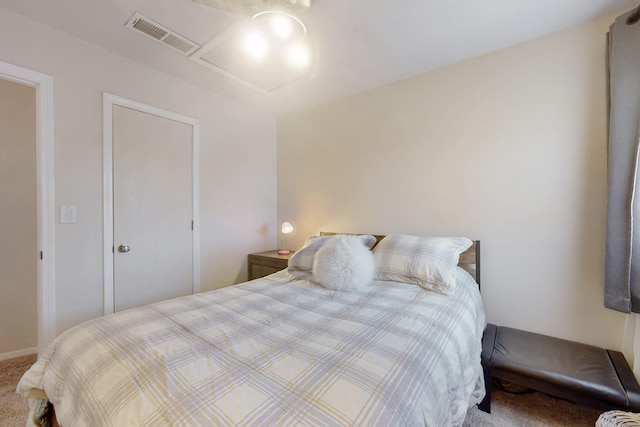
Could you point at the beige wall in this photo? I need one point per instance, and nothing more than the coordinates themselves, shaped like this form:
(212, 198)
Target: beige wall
(237, 167)
(508, 148)
(18, 250)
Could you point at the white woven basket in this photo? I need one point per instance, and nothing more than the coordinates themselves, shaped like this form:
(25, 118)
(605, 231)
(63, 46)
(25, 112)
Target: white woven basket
(618, 419)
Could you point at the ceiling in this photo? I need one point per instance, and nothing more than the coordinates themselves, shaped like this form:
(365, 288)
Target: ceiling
(360, 44)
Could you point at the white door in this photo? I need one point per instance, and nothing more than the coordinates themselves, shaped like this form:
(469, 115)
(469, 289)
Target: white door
(152, 208)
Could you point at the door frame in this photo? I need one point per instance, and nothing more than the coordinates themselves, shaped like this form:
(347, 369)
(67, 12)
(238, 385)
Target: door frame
(46, 216)
(108, 101)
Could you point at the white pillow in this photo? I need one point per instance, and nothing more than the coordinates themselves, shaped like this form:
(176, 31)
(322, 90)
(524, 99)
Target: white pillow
(302, 260)
(344, 263)
(426, 261)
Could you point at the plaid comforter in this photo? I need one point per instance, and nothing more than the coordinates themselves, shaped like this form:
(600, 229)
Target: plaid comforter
(277, 351)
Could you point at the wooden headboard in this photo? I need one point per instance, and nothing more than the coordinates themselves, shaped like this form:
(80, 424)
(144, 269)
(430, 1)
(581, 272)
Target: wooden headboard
(469, 259)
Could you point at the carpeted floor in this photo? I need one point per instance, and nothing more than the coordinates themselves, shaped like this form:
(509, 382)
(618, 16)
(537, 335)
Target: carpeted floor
(507, 410)
(13, 409)
(531, 410)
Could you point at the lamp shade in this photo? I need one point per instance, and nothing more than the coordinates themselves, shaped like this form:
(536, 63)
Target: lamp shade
(287, 227)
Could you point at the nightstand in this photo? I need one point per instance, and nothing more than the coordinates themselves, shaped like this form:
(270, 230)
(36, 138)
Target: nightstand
(264, 263)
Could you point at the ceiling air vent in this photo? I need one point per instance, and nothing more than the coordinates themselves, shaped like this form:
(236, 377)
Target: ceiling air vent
(161, 34)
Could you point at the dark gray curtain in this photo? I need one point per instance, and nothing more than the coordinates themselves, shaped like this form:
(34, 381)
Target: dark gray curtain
(622, 267)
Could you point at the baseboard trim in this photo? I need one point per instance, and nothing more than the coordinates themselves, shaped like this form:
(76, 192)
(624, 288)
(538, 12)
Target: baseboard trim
(18, 353)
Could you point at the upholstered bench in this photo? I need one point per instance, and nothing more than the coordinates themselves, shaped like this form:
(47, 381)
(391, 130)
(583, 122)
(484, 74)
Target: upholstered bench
(580, 373)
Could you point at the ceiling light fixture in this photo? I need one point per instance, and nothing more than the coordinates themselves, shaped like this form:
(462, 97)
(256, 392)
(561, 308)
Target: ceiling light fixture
(278, 34)
(282, 23)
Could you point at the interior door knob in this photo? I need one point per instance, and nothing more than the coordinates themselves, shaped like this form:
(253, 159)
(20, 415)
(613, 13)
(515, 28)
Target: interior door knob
(124, 248)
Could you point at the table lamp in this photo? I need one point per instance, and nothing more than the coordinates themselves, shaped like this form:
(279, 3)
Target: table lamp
(286, 229)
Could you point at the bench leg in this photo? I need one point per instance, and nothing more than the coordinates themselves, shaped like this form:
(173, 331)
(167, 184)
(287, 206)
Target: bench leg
(485, 405)
(488, 342)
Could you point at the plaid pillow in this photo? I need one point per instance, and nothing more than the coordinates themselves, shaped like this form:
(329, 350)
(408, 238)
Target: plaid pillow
(426, 261)
(302, 260)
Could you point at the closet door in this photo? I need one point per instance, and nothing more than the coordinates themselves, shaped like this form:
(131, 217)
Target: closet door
(152, 208)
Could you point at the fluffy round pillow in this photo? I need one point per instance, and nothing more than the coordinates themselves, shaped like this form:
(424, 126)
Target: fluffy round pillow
(344, 263)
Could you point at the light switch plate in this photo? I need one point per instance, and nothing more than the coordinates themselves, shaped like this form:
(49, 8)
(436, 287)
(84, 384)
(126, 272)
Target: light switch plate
(68, 214)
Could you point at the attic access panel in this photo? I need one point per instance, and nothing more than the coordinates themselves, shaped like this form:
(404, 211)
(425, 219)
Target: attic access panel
(225, 55)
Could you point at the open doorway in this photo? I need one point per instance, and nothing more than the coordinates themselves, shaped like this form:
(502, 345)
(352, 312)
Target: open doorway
(19, 247)
(39, 87)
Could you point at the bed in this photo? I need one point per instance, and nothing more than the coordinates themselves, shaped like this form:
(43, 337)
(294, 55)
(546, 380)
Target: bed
(287, 349)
